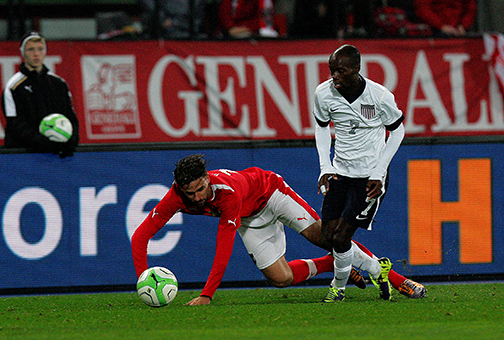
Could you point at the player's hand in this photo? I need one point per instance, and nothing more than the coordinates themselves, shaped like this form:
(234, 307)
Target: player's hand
(200, 300)
(323, 184)
(374, 188)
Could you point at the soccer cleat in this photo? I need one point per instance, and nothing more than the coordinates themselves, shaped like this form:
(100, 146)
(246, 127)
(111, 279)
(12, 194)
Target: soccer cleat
(382, 282)
(357, 279)
(334, 295)
(412, 289)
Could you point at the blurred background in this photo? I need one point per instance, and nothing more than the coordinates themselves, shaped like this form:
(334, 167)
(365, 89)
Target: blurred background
(200, 19)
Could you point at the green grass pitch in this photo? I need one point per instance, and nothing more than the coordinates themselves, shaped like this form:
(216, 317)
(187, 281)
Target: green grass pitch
(455, 311)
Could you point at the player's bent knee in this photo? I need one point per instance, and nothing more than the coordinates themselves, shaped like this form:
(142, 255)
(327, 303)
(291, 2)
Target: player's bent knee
(280, 281)
(281, 284)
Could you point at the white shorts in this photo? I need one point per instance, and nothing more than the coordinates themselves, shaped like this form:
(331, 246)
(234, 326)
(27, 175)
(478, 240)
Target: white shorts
(263, 234)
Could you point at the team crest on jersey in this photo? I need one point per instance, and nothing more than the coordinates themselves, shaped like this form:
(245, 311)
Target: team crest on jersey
(367, 111)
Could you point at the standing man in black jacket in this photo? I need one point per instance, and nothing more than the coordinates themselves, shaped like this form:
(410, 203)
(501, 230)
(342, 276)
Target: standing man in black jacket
(33, 93)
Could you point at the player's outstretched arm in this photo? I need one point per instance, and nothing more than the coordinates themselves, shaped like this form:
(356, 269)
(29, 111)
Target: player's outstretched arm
(200, 300)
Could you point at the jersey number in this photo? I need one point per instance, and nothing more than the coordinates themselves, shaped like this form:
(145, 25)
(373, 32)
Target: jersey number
(354, 124)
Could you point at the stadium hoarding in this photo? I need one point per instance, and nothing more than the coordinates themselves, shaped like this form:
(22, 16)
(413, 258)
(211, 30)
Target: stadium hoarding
(182, 91)
(67, 222)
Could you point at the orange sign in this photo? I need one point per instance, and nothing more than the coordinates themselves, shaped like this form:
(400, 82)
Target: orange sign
(427, 212)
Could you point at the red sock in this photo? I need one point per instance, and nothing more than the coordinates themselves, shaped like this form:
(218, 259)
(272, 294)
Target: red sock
(395, 278)
(303, 270)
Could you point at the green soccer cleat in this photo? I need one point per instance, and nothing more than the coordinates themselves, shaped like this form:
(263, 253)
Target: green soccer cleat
(334, 295)
(382, 282)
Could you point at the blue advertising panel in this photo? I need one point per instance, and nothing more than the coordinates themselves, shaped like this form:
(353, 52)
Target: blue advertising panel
(68, 222)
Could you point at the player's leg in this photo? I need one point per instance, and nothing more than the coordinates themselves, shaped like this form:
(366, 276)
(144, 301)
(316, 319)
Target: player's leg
(349, 195)
(267, 245)
(365, 261)
(405, 286)
(266, 242)
(279, 274)
(343, 252)
(360, 212)
(304, 269)
(282, 274)
(325, 237)
(313, 234)
(361, 260)
(395, 278)
(337, 231)
(343, 258)
(295, 212)
(264, 238)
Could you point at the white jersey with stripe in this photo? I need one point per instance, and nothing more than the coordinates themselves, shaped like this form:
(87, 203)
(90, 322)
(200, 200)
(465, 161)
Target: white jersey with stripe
(360, 126)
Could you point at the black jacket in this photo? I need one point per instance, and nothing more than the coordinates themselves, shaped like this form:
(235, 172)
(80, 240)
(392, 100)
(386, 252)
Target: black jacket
(30, 96)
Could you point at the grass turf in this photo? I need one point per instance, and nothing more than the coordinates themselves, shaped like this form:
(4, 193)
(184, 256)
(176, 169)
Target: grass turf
(461, 311)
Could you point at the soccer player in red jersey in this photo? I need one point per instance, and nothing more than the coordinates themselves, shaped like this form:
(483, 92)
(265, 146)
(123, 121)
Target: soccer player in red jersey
(256, 204)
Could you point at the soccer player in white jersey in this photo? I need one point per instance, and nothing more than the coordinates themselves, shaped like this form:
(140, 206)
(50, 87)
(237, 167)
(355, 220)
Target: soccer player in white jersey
(255, 203)
(354, 182)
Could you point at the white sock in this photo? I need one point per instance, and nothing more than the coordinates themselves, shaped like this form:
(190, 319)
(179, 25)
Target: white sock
(361, 260)
(312, 268)
(342, 268)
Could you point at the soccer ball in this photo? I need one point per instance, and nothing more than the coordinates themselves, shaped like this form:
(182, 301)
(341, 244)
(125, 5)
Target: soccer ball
(157, 286)
(56, 127)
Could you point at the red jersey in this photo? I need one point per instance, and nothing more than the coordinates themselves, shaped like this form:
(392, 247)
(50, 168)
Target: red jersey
(236, 194)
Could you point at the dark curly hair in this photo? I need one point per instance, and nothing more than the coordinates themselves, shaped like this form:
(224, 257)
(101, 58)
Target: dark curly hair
(189, 169)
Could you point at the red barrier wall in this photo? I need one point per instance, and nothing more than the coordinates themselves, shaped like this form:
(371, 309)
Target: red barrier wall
(150, 91)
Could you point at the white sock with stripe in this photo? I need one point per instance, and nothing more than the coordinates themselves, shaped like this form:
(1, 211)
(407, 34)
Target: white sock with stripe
(311, 267)
(361, 260)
